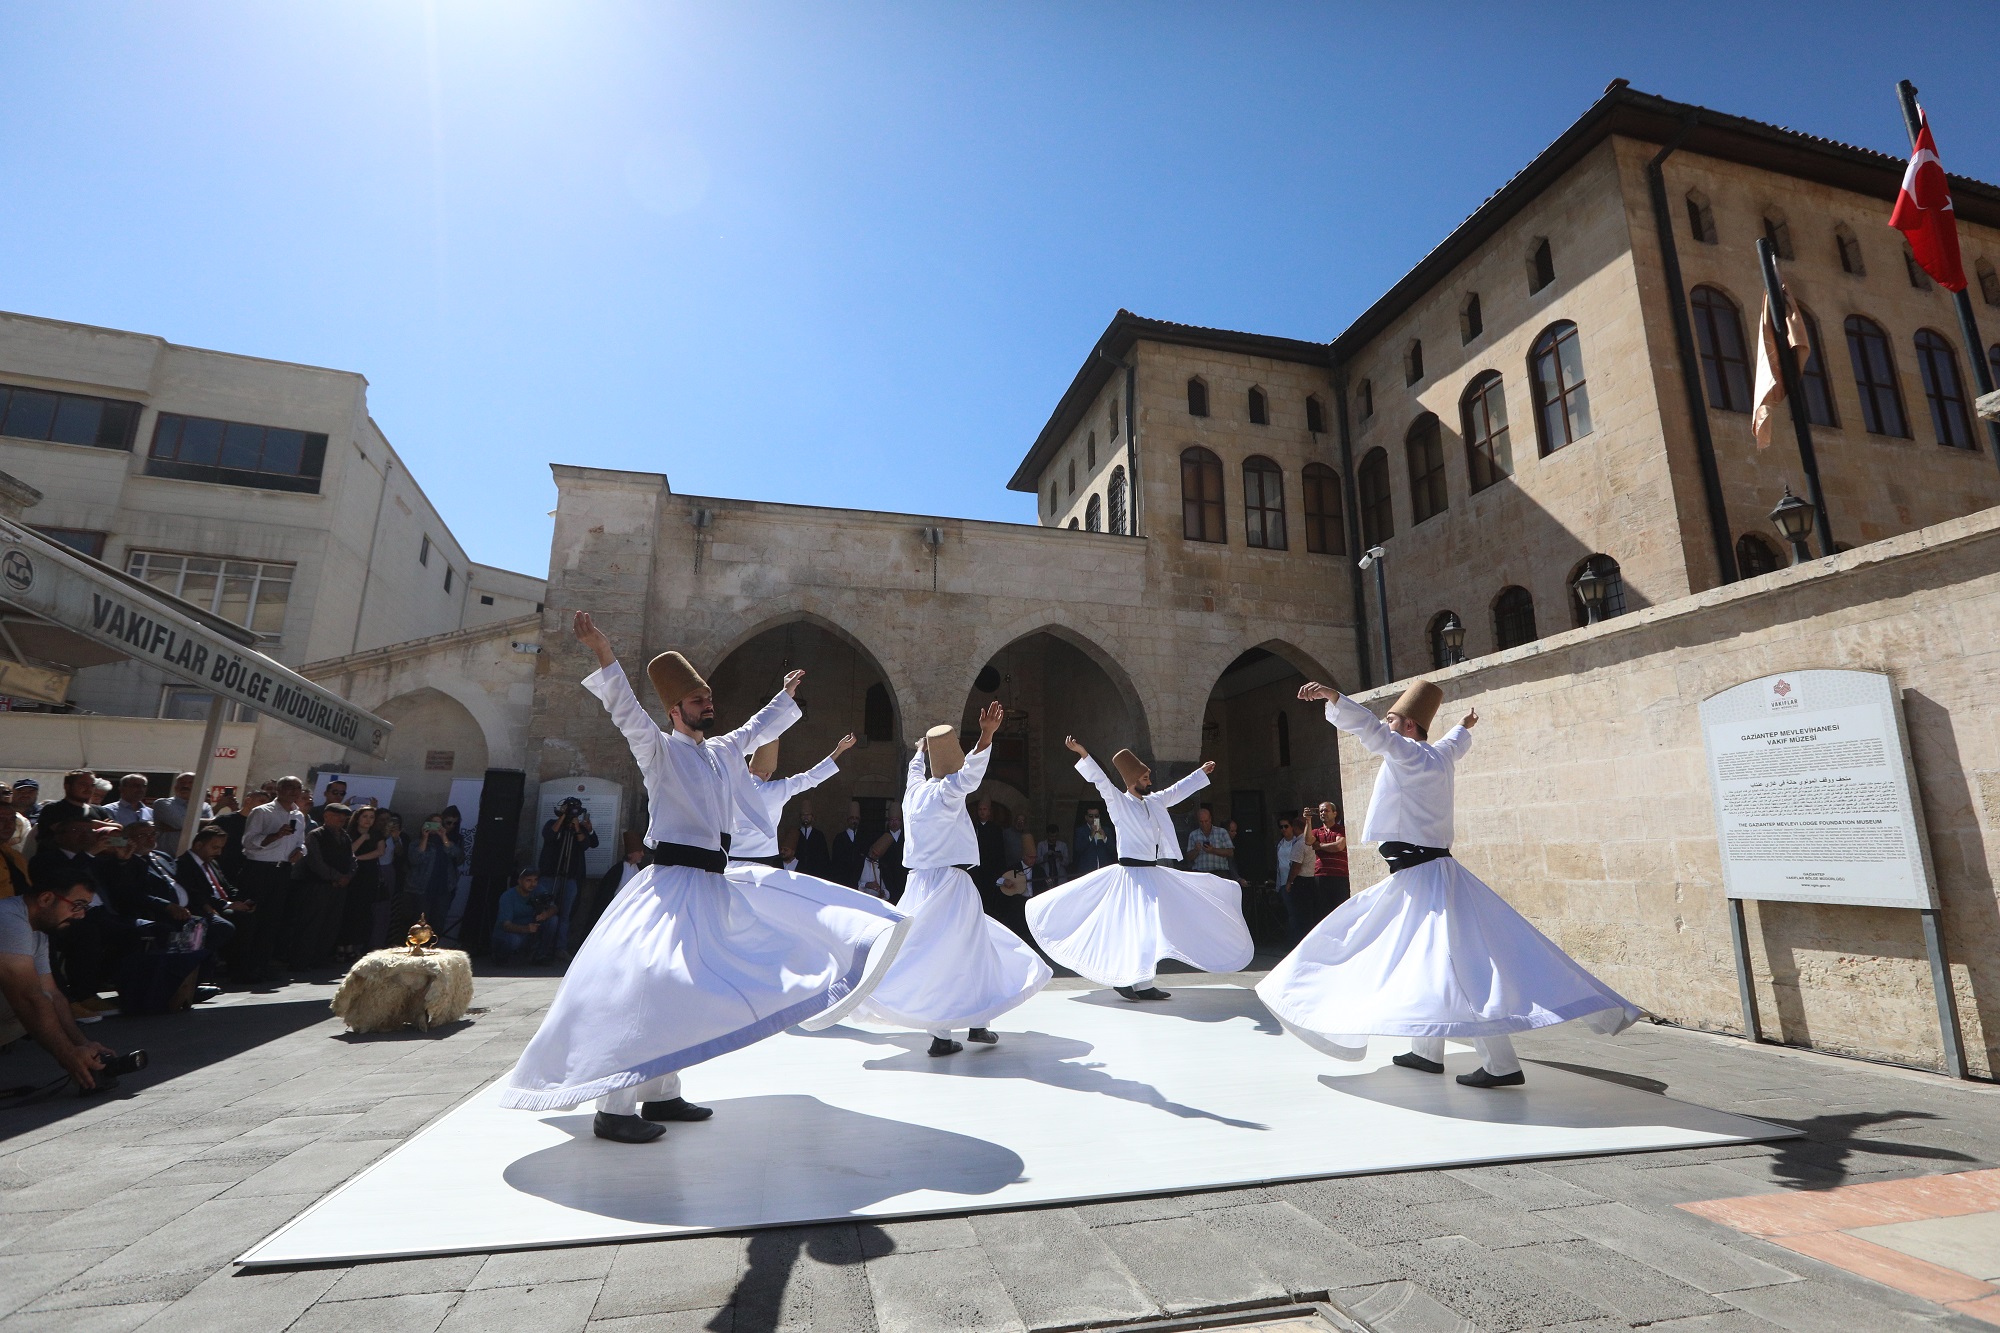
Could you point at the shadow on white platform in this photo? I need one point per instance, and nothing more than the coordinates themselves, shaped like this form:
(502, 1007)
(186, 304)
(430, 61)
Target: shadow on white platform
(1086, 1097)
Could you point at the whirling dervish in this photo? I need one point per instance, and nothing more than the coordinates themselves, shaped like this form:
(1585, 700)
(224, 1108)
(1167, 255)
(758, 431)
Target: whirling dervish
(958, 968)
(761, 799)
(1430, 952)
(1116, 923)
(683, 966)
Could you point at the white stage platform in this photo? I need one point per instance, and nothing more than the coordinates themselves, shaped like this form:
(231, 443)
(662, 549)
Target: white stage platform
(1086, 1097)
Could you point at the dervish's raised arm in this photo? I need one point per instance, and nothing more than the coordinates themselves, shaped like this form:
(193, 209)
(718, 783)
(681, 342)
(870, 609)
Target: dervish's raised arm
(614, 691)
(769, 722)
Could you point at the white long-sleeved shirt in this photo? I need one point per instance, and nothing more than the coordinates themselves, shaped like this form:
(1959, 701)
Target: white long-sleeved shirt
(689, 793)
(1145, 829)
(1413, 789)
(267, 819)
(937, 825)
(760, 805)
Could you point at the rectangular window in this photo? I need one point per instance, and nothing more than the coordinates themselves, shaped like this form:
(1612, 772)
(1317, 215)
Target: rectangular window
(447, 578)
(236, 453)
(67, 418)
(77, 539)
(484, 600)
(424, 552)
(250, 593)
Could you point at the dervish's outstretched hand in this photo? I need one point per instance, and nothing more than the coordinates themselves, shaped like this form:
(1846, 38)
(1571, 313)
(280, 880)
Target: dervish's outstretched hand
(1208, 767)
(989, 722)
(1313, 690)
(594, 638)
(1076, 747)
(792, 680)
(843, 745)
(1470, 720)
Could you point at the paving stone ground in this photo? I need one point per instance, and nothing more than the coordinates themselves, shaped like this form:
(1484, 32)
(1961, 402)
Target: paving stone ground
(124, 1212)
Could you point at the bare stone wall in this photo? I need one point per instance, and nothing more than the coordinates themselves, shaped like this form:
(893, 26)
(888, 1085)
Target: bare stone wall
(1584, 800)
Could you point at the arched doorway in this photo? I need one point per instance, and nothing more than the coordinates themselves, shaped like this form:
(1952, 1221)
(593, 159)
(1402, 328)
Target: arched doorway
(1052, 687)
(844, 690)
(436, 740)
(1273, 756)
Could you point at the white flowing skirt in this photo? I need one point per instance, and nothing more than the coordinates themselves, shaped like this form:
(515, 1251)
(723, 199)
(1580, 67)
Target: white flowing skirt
(686, 965)
(1431, 952)
(959, 968)
(1115, 924)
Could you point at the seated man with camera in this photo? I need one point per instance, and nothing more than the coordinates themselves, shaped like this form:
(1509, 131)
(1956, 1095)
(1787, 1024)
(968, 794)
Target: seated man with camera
(524, 930)
(30, 1003)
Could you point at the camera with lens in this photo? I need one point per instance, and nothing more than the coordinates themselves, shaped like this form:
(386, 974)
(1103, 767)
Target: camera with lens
(106, 1075)
(542, 900)
(570, 806)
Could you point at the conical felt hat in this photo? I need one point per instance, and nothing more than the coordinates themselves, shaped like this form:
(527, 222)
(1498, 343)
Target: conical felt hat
(946, 754)
(674, 677)
(1420, 704)
(1129, 767)
(765, 762)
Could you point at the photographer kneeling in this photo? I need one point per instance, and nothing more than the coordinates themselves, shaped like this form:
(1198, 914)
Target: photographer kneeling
(30, 1003)
(522, 928)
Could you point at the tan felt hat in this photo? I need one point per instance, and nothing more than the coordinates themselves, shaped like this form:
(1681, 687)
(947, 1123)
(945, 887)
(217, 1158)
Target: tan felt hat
(765, 761)
(1420, 704)
(1129, 767)
(674, 677)
(946, 754)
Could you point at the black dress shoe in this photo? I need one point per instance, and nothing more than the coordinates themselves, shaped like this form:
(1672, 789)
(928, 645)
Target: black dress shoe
(1152, 993)
(680, 1108)
(206, 991)
(984, 1036)
(945, 1046)
(1126, 993)
(1411, 1060)
(1479, 1078)
(625, 1128)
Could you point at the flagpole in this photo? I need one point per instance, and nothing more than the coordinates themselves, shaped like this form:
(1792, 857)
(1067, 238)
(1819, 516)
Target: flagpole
(1788, 375)
(1968, 324)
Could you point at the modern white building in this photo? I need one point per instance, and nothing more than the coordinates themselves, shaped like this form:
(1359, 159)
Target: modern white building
(259, 490)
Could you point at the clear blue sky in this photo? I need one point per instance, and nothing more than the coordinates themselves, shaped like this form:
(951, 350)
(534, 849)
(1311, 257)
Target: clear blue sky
(837, 254)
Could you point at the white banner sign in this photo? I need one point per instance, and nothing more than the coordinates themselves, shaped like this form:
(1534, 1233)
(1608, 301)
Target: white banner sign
(63, 587)
(1814, 802)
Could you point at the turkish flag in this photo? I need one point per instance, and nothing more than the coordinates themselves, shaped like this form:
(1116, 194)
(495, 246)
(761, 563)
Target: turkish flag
(1924, 215)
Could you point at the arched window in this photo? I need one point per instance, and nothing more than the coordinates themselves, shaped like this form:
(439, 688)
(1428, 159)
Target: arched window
(1281, 728)
(1608, 578)
(1325, 534)
(1562, 405)
(1117, 494)
(1378, 520)
(1875, 378)
(1989, 281)
(1513, 618)
(1263, 504)
(1756, 556)
(1937, 364)
(1470, 325)
(878, 719)
(1440, 651)
(1779, 233)
(1315, 415)
(1918, 278)
(1423, 446)
(1489, 450)
(1718, 332)
(1818, 389)
(1074, 525)
(1413, 361)
(1260, 407)
(1541, 265)
(1090, 452)
(1197, 398)
(1364, 400)
(1201, 496)
(1072, 476)
(1093, 515)
(1701, 218)
(1848, 247)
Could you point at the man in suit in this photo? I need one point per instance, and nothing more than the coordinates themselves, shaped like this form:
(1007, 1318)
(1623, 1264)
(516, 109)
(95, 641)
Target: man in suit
(888, 855)
(815, 857)
(1095, 844)
(210, 896)
(848, 853)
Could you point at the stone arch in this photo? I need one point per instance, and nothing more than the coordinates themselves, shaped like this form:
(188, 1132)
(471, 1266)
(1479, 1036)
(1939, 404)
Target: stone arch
(897, 689)
(429, 722)
(1055, 623)
(503, 747)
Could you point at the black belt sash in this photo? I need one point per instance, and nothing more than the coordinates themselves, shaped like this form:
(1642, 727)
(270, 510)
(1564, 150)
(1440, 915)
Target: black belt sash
(1134, 861)
(713, 859)
(776, 861)
(1407, 855)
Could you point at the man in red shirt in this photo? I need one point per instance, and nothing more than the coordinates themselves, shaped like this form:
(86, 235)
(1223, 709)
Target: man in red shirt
(1329, 845)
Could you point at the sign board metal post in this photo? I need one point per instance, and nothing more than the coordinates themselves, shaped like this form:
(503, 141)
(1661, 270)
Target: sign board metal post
(211, 735)
(1815, 803)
